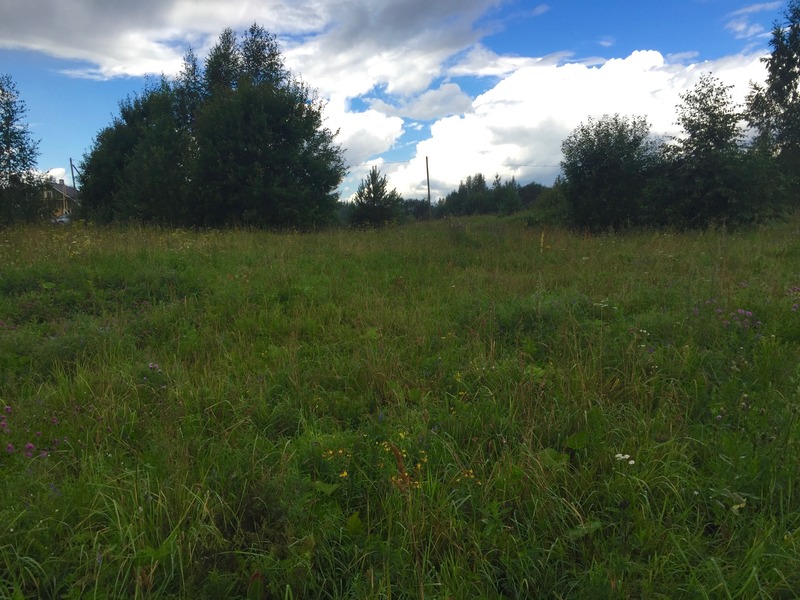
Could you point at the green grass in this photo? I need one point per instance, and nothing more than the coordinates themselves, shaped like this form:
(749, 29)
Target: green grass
(461, 409)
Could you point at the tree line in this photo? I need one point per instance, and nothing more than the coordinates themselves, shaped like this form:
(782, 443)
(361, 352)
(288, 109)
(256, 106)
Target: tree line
(732, 166)
(239, 140)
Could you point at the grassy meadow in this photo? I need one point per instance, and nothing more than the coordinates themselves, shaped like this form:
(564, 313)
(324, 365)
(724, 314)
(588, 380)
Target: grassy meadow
(450, 410)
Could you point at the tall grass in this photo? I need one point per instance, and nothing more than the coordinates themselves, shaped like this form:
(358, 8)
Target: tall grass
(460, 409)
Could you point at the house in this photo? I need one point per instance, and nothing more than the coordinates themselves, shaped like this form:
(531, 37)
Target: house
(63, 199)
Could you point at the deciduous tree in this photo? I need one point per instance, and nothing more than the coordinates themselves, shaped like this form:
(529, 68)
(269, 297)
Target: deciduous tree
(21, 197)
(712, 177)
(606, 166)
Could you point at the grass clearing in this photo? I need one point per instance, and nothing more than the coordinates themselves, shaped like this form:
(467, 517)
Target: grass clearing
(458, 409)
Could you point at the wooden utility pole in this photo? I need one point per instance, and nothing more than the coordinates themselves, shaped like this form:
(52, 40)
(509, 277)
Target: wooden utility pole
(72, 169)
(428, 175)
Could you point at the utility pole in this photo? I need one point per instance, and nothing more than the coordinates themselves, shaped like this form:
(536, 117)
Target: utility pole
(428, 175)
(72, 169)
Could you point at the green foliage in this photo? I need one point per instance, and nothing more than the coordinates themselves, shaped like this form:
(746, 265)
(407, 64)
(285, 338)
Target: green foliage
(616, 175)
(416, 209)
(606, 165)
(773, 109)
(705, 171)
(471, 197)
(238, 142)
(505, 195)
(711, 177)
(551, 207)
(530, 193)
(474, 197)
(374, 204)
(21, 190)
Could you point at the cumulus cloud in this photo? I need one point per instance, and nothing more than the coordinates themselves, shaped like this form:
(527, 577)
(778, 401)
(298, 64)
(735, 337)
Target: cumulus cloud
(516, 128)
(362, 134)
(448, 99)
(480, 61)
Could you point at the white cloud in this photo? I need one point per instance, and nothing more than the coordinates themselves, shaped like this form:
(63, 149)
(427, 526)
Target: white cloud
(398, 44)
(607, 41)
(757, 8)
(516, 128)
(539, 10)
(742, 27)
(363, 135)
(448, 99)
(480, 61)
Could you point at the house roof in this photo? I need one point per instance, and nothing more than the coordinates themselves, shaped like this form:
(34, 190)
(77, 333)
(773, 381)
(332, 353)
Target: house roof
(64, 189)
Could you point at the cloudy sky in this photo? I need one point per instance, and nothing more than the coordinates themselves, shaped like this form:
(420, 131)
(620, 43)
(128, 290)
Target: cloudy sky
(490, 86)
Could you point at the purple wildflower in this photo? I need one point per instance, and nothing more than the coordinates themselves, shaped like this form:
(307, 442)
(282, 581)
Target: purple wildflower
(10, 448)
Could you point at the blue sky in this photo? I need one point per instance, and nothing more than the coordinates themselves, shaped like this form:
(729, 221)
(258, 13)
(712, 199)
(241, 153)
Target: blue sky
(487, 86)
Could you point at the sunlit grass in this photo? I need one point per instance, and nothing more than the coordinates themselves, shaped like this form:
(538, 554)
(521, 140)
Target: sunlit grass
(461, 409)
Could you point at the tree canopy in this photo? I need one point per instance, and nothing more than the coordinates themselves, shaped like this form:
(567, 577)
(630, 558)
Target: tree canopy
(773, 109)
(236, 141)
(711, 175)
(475, 197)
(374, 203)
(21, 197)
(606, 164)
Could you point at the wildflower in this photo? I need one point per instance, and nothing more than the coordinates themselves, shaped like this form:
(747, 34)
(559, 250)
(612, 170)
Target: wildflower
(10, 448)
(8, 410)
(29, 447)
(631, 462)
(622, 456)
(343, 474)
